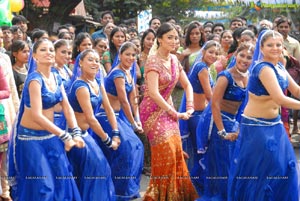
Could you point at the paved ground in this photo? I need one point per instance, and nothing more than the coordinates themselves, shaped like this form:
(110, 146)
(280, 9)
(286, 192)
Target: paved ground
(296, 144)
(144, 184)
(295, 140)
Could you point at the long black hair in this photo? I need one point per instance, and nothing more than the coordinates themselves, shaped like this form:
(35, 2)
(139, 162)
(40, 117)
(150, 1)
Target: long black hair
(145, 34)
(112, 48)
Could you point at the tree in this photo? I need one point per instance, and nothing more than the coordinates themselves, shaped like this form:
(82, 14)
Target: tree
(59, 10)
(126, 9)
(44, 18)
(180, 9)
(94, 8)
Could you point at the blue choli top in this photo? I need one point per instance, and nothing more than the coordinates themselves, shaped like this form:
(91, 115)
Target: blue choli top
(66, 81)
(233, 91)
(256, 87)
(49, 98)
(110, 85)
(96, 100)
(194, 80)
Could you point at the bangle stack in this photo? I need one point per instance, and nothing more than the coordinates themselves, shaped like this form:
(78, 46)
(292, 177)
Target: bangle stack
(75, 132)
(222, 133)
(134, 126)
(137, 119)
(189, 105)
(65, 137)
(115, 133)
(171, 111)
(107, 141)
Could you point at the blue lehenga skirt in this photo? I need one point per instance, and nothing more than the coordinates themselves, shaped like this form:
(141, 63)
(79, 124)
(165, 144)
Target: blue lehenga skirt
(218, 156)
(60, 120)
(42, 168)
(188, 138)
(264, 165)
(127, 161)
(91, 171)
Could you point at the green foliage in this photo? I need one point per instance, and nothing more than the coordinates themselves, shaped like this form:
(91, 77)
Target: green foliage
(124, 9)
(182, 10)
(44, 18)
(255, 15)
(93, 8)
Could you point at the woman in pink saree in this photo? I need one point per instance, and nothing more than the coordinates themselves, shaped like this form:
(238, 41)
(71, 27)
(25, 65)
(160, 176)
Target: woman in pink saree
(169, 174)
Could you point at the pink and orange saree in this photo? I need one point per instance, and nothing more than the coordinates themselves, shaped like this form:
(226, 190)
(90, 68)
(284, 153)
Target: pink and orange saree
(170, 178)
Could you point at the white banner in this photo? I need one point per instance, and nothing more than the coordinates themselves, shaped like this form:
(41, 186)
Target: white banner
(143, 20)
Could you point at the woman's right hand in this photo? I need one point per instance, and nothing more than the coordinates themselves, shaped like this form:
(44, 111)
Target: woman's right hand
(69, 144)
(114, 144)
(117, 139)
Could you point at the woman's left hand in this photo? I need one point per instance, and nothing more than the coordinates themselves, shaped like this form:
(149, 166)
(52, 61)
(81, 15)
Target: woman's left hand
(185, 155)
(190, 112)
(184, 115)
(79, 142)
(138, 127)
(114, 144)
(231, 136)
(69, 144)
(117, 140)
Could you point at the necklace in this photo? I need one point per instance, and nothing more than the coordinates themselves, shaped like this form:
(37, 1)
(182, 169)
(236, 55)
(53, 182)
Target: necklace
(94, 86)
(166, 58)
(123, 68)
(128, 76)
(90, 81)
(22, 69)
(243, 74)
(46, 79)
(62, 72)
(144, 55)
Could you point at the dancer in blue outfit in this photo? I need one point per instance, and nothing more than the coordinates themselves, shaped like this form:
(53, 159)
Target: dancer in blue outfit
(202, 83)
(63, 55)
(38, 166)
(218, 124)
(126, 162)
(90, 166)
(264, 165)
